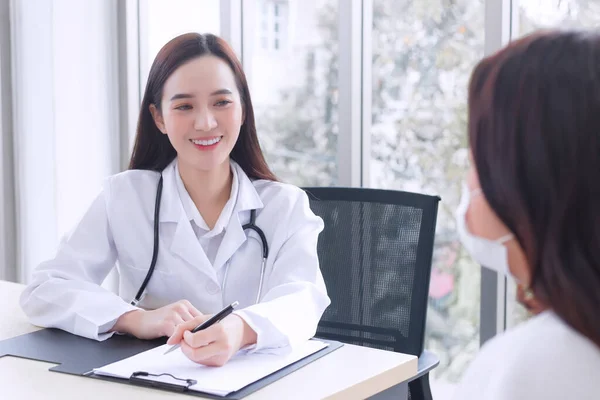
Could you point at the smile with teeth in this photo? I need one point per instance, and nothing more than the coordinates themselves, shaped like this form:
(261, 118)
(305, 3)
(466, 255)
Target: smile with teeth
(208, 142)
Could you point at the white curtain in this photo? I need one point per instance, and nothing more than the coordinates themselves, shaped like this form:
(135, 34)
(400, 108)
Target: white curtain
(66, 120)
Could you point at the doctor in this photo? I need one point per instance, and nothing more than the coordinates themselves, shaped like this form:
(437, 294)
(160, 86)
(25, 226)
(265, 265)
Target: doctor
(197, 177)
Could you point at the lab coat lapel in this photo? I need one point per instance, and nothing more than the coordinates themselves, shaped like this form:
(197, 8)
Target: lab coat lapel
(247, 199)
(184, 242)
(233, 239)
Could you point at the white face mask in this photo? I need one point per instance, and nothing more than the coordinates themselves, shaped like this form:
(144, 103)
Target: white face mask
(488, 253)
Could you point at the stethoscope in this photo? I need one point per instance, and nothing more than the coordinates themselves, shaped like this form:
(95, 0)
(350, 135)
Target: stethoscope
(251, 225)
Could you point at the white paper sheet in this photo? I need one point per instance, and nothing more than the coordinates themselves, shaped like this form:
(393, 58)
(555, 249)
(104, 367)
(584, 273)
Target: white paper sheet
(241, 370)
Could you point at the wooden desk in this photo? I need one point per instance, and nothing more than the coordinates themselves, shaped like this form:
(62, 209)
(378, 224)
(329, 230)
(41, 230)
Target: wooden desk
(351, 372)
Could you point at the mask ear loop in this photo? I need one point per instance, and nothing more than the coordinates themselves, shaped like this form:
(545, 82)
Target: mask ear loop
(503, 239)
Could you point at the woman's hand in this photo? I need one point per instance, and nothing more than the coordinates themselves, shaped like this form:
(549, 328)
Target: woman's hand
(156, 323)
(215, 345)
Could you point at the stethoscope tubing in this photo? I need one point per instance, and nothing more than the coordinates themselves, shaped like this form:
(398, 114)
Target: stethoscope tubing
(251, 226)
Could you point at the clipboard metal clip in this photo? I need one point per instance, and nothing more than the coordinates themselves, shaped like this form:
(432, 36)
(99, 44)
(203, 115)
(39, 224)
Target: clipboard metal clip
(137, 378)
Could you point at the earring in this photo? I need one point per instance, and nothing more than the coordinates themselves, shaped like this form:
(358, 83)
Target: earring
(528, 294)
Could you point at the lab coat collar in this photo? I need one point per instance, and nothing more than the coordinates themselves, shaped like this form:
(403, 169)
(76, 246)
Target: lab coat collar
(247, 199)
(184, 241)
(171, 207)
(194, 215)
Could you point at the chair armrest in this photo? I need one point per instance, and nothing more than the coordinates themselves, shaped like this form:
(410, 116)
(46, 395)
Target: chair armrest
(427, 362)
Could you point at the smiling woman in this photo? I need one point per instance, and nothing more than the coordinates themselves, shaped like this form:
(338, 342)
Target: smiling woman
(181, 225)
(195, 84)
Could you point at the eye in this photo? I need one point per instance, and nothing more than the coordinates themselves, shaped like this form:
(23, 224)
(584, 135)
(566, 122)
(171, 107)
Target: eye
(183, 107)
(223, 103)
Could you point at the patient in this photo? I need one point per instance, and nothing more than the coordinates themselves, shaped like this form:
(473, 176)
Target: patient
(530, 209)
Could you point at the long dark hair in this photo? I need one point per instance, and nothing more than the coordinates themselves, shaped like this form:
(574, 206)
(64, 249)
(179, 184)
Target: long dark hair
(152, 149)
(534, 130)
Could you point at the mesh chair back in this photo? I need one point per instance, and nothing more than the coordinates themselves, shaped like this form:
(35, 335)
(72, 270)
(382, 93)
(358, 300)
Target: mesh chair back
(375, 254)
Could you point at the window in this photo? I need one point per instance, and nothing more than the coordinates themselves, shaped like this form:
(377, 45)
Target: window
(162, 20)
(275, 24)
(423, 55)
(577, 14)
(295, 93)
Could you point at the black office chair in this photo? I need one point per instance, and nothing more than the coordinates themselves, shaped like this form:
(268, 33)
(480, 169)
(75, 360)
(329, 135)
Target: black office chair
(375, 254)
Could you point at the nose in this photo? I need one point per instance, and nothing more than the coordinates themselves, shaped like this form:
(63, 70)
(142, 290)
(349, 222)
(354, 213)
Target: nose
(205, 121)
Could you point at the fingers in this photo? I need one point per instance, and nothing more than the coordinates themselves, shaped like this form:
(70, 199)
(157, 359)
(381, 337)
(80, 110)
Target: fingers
(184, 326)
(185, 309)
(188, 308)
(182, 312)
(191, 309)
(186, 315)
(195, 313)
(201, 338)
(169, 326)
(212, 346)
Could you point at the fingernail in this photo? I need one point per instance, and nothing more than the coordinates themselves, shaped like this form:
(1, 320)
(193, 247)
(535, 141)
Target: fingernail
(187, 335)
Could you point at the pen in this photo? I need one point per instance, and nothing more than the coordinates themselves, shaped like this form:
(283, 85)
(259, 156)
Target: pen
(209, 322)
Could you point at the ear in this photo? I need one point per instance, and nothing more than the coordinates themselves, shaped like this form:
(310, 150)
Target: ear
(158, 119)
(518, 264)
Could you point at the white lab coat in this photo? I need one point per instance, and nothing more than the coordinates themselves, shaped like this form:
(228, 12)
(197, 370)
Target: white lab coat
(117, 230)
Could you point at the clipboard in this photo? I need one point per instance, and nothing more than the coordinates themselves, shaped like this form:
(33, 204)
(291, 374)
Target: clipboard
(77, 355)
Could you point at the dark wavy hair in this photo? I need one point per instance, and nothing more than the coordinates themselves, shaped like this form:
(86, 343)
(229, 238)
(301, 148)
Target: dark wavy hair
(534, 131)
(152, 149)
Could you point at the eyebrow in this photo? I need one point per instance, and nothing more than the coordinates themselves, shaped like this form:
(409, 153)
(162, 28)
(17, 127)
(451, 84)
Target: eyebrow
(190, 96)
(221, 91)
